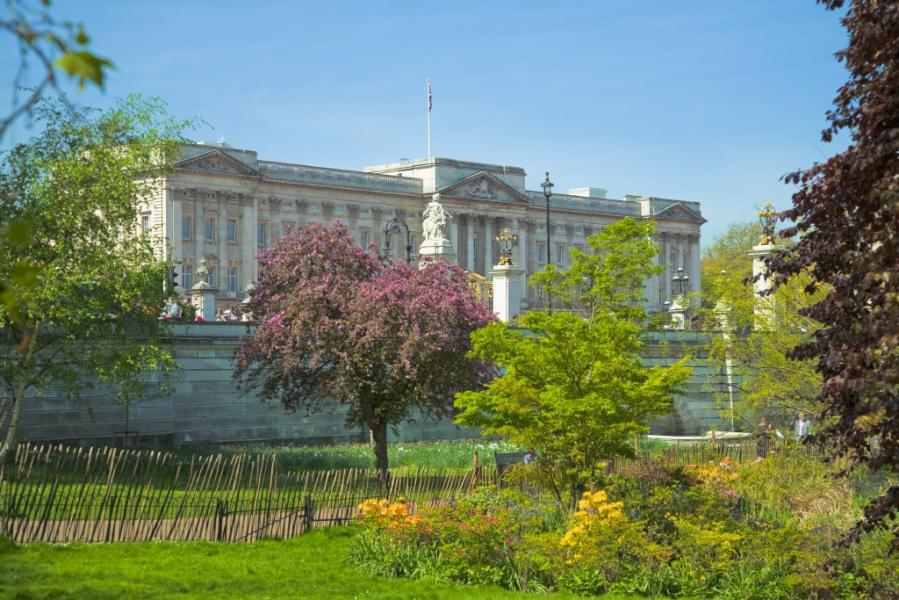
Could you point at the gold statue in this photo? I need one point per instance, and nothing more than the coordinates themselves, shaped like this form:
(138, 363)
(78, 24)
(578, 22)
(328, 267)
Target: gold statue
(767, 217)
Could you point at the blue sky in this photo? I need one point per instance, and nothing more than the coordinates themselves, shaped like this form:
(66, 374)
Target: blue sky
(710, 101)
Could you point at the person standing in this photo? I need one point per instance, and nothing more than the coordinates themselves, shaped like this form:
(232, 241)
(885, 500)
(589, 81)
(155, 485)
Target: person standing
(802, 427)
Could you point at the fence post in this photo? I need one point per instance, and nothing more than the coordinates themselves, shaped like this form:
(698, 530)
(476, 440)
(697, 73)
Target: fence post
(307, 514)
(221, 512)
(109, 519)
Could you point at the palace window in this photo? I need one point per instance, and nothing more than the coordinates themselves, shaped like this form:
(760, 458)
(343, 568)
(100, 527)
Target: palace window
(261, 233)
(541, 253)
(209, 229)
(210, 276)
(364, 239)
(232, 279)
(187, 227)
(232, 231)
(560, 253)
(187, 275)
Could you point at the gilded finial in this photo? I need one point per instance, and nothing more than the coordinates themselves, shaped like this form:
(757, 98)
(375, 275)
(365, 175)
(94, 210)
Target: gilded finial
(506, 240)
(767, 217)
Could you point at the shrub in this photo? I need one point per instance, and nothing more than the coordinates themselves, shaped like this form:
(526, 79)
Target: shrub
(602, 545)
(655, 529)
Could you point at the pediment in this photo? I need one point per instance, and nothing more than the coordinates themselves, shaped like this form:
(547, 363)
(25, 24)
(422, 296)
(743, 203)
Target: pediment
(217, 161)
(484, 186)
(680, 212)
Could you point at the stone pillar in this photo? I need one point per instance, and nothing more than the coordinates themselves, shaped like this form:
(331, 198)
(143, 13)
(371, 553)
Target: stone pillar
(523, 258)
(198, 235)
(507, 286)
(454, 232)
(488, 243)
(469, 242)
(202, 295)
(678, 313)
(665, 275)
(764, 310)
(693, 270)
(249, 239)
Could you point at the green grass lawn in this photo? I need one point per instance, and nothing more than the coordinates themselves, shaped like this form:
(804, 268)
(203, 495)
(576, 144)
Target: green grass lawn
(455, 454)
(310, 566)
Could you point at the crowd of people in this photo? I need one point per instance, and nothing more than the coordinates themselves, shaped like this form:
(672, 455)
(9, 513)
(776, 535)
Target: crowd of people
(233, 314)
(184, 311)
(765, 432)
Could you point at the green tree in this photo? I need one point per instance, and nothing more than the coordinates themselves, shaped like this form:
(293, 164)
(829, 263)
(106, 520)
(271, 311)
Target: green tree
(95, 283)
(753, 354)
(846, 211)
(727, 255)
(52, 45)
(573, 385)
(55, 46)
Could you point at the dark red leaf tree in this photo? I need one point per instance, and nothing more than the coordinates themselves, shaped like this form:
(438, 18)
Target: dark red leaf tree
(340, 324)
(846, 214)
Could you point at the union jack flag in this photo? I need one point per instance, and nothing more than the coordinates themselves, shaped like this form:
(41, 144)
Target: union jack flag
(430, 101)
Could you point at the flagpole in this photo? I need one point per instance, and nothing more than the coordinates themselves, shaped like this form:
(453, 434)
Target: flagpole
(429, 118)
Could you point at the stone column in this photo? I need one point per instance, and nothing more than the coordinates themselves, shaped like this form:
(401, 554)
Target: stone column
(522, 234)
(488, 243)
(249, 237)
(221, 244)
(377, 226)
(469, 242)
(665, 275)
(198, 235)
(454, 231)
(694, 268)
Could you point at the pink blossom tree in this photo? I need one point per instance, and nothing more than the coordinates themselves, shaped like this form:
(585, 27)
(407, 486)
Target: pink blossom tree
(341, 324)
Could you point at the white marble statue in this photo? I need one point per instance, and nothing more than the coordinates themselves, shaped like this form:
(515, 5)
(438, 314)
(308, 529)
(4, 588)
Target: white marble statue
(435, 221)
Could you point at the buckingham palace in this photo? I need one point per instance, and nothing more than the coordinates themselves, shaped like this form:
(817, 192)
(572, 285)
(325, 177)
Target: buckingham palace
(223, 205)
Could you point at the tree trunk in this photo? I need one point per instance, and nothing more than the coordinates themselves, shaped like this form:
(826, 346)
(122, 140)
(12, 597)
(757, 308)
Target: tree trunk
(18, 398)
(379, 438)
(18, 401)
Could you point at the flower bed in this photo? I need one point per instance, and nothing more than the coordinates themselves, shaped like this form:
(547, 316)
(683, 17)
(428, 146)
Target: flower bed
(716, 530)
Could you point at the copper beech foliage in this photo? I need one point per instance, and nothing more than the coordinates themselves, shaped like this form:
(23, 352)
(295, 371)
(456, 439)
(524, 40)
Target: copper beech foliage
(846, 214)
(339, 324)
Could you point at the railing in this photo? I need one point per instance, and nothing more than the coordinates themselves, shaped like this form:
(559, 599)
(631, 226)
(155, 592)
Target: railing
(610, 205)
(305, 172)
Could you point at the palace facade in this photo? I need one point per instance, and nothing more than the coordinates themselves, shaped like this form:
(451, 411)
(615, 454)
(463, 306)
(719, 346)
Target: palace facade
(225, 204)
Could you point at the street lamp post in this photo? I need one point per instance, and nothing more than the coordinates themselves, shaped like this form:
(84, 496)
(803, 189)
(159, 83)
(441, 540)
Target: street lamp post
(547, 186)
(680, 281)
(394, 225)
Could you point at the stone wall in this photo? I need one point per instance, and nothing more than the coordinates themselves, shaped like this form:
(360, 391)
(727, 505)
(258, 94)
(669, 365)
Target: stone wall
(695, 409)
(205, 405)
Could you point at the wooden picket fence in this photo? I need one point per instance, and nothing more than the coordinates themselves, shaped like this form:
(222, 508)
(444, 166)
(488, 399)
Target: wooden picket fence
(64, 494)
(700, 453)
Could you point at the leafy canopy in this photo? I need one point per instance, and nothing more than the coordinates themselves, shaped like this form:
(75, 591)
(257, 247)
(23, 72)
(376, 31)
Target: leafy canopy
(88, 285)
(574, 387)
(847, 212)
(51, 45)
(339, 324)
(769, 383)
(609, 278)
